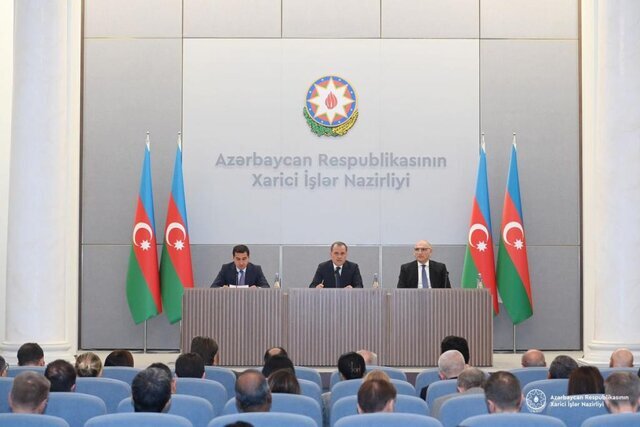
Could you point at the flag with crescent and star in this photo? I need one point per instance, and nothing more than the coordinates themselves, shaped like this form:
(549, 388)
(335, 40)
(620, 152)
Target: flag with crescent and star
(176, 273)
(479, 258)
(513, 267)
(143, 282)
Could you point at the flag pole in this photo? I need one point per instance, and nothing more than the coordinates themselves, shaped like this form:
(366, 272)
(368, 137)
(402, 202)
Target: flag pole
(514, 339)
(144, 346)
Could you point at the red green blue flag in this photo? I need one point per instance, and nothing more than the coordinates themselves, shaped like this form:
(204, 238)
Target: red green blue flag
(513, 267)
(176, 272)
(143, 282)
(479, 258)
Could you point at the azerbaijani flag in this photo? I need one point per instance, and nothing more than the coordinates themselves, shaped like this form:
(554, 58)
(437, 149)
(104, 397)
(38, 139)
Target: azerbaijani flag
(143, 283)
(513, 267)
(478, 258)
(175, 264)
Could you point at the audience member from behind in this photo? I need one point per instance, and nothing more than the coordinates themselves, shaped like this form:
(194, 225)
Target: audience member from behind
(151, 391)
(29, 393)
(62, 375)
(376, 396)
(351, 366)
(207, 348)
(370, 358)
(167, 371)
(274, 351)
(450, 364)
(453, 342)
(585, 380)
(533, 359)
(30, 354)
(252, 392)
(4, 367)
(502, 393)
(119, 358)
(377, 374)
(275, 363)
(239, 424)
(189, 365)
(622, 392)
(561, 367)
(88, 365)
(621, 358)
(470, 381)
(283, 381)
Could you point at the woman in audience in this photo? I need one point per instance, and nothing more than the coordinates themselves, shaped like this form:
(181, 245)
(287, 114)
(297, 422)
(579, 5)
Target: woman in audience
(88, 365)
(283, 381)
(119, 358)
(585, 380)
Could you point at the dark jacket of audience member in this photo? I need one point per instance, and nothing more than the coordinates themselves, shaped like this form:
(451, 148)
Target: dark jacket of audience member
(62, 375)
(561, 367)
(119, 358)
(585, 380)
(207, 348)
(151, 390)
(283, 381)
(190, 365)
(351, 366)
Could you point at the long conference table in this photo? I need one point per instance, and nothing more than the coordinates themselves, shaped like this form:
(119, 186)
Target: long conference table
(403, 326)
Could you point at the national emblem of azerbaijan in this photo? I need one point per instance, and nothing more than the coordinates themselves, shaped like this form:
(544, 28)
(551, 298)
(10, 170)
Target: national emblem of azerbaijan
(331, 107)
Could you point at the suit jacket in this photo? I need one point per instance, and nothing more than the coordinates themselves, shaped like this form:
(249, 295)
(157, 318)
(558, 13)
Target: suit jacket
(228, 275)
(438, 275)
(349, 275)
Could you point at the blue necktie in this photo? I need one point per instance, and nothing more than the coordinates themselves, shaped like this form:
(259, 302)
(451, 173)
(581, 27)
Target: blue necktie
(337, 274)
(425, 277)
(241, 277)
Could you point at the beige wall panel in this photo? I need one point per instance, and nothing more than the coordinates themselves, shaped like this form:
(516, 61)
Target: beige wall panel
(430, 18)
(331, 18)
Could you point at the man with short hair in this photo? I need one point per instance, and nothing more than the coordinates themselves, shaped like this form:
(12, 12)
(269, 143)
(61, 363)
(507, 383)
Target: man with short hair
(252, 392)
(450, 364)
(370, 358)
(561, 367)
(62, 375)
(622, 392)
(29, 393)
(533, 358)
(376, 396)
(453, 342)
(30, 354)
(189, 365)
(502, 393)
(151, 391)
(423, 273)
(167, 371)
(337, 272)
(621, 358)
(470, 381)
(351, 366)
(240, 272)
(274, 351)
(207, 348)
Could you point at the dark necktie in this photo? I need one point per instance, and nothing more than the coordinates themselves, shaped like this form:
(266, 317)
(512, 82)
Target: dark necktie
(337, 274)
(425, 280)
(241, 278)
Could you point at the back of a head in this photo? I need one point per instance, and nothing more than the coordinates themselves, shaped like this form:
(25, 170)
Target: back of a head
(453, 342)
(30, 354)
(276, 363)
(206, 347)
(470, 378)
(376, 396)
(377, 374)
(351, 366)
(622, 390)
(585, 380)
(533, 359)
(252, 392)
(3, 367)
(283, 381)
(29, 393)
(621, 358)
(370, 358)
(502, 392)
(189, 365)
(561, 367)
(151, 390)
(119, 358)
(61, 374)
(88, 365)
(451, 364)
(272, 352)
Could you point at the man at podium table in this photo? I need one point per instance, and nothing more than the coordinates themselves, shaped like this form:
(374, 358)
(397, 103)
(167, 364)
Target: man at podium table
(337, 272)
(240, 273)
(423, 272)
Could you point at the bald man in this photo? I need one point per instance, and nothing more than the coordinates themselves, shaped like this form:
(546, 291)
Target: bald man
(621, 358)
(423, 273)
(252, 392)
(533, 359)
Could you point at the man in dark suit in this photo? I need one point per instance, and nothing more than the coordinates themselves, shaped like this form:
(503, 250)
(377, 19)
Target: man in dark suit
(423, 272)
(240, 272)
(337, 272)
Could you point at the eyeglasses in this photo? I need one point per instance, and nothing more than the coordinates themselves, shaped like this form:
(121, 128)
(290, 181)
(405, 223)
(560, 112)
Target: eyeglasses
(421, 249)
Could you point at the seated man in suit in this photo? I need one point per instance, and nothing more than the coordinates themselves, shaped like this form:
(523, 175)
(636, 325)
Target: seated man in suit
(423, 273)
(376, 396)
(502, 393)
(151, 391)
(337, 272)
(240, 272)
(29, 393)
(62, 375)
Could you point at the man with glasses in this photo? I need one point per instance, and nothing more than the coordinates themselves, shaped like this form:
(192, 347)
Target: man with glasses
(423, 272)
